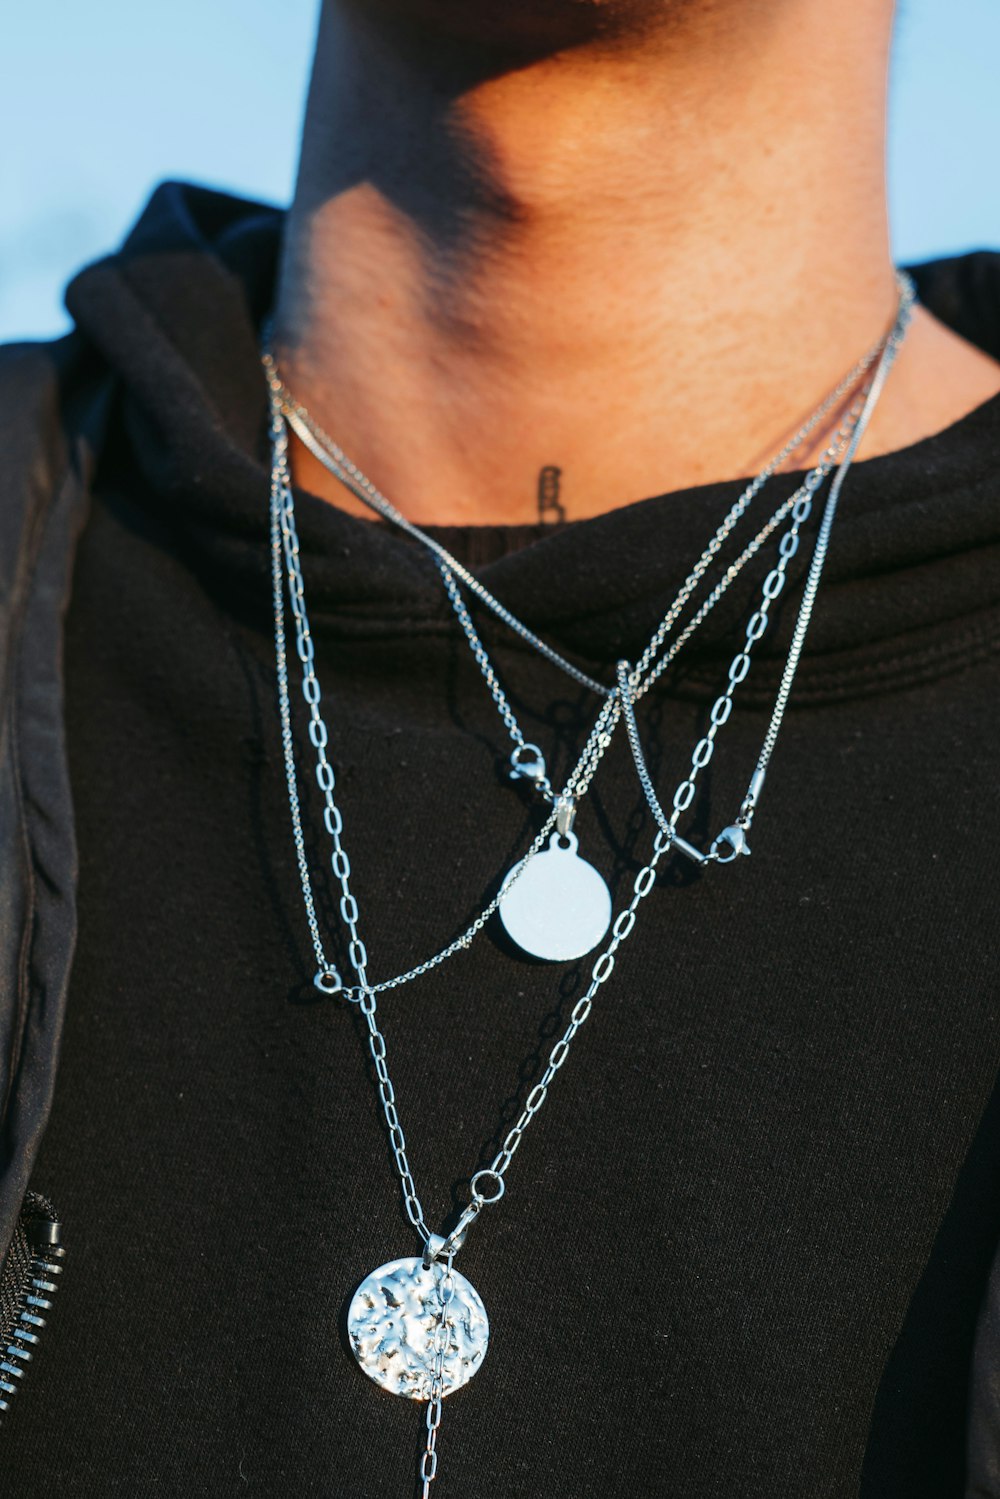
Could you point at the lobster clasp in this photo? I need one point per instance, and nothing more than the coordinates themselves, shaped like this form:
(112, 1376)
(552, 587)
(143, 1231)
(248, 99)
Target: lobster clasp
(730, 844)
(527, 763)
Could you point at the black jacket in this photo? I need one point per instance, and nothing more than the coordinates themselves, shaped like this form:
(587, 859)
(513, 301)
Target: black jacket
(53, 403)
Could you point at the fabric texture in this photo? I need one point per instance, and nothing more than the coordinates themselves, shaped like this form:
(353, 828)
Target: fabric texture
(745, 1245)
(48, 440)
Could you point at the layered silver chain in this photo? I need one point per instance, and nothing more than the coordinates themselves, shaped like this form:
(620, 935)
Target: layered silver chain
(286, 558)
(527, 761)
(332, 456)
(488, 1185)
(285, 542)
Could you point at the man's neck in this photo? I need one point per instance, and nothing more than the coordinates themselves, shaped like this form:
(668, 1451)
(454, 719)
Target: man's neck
(554, 287)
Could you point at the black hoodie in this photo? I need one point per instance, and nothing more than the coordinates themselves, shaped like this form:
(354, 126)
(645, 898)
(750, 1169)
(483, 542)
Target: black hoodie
(745, 1245)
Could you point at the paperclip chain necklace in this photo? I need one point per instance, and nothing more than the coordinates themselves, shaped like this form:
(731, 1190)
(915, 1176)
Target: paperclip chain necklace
(562, 885)
(439, 1330)
(554, 904)
(328, 978)
(332, 456)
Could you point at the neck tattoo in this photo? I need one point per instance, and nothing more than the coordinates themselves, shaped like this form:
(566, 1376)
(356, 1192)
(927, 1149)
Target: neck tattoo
(551, 511)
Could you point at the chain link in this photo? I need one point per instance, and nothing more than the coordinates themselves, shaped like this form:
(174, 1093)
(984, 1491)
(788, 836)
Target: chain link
(800, 507)
(488, 1185)
(285, 547)
(646, 878)
(893, 343)
(536, 773)
(439, 1352)
(323, 447)
(579, 781)
(332, 456)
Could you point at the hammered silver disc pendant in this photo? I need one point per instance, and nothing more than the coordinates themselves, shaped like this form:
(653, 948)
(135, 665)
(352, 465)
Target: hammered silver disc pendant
(394, 1319)
(558, 907)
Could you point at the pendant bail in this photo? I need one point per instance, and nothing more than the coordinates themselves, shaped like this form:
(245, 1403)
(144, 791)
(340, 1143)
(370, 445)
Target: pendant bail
(565, 815)
(446, 1246)
(441, 1247)
(488, 1186)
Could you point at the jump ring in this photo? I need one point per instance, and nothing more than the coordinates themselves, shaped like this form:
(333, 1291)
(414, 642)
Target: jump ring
(501, 1186)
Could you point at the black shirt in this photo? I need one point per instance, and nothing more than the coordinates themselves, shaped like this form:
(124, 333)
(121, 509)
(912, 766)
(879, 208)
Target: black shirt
(744, 1245)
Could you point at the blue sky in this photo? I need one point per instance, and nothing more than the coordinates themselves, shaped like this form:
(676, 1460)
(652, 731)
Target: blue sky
(102, 100)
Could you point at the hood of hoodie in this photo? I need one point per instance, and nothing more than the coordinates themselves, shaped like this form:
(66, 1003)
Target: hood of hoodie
(911, 588)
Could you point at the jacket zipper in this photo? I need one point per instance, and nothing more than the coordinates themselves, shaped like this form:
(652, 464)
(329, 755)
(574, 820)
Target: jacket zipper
(27, 1281)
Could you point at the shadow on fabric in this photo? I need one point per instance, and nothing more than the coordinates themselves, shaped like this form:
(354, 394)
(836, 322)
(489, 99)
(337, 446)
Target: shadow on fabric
(916, 1445)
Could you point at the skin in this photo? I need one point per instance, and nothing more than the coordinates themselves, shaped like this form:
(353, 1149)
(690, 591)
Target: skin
(634, 242)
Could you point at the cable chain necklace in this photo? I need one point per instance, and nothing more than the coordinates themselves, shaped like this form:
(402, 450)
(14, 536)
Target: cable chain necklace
(418, 1328)
(537, 927)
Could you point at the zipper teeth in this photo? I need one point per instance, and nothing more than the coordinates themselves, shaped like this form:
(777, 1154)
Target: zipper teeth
(20, 1330)
(39, 1286)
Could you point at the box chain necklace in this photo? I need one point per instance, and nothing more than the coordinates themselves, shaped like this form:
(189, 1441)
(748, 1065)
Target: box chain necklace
(328, 978)
(532, 922)
(417, 1326)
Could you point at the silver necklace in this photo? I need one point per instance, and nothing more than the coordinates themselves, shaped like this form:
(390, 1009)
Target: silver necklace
(332, 456)
(417, 1327)
(547, 923)
(554, 904)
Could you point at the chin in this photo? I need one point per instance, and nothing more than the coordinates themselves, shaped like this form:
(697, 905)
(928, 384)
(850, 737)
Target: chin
(522, 25)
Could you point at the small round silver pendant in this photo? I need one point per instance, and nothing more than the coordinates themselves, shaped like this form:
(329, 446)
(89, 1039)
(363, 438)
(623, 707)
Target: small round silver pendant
(393, 1320)
(559, 906)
